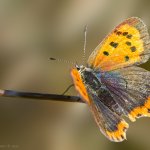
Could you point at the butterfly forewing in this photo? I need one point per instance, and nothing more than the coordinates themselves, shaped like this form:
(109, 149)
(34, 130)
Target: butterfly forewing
(126, 45)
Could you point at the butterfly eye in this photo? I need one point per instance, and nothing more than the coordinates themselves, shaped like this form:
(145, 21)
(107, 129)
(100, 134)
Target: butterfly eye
(77, 67)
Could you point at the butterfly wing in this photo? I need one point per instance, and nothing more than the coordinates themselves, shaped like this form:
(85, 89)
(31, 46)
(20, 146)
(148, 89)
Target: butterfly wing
(110, 123)
(126, 45)
(130, 88)
(106, 111)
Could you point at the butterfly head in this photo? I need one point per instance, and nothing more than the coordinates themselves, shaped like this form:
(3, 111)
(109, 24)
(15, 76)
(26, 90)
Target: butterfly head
(82, 69)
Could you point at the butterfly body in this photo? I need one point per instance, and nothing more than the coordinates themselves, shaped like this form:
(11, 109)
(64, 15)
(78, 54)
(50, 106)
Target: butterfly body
(92, 81)
(112, 84)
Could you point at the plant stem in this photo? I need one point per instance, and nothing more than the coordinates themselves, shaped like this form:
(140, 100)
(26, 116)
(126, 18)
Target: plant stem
(41, 96)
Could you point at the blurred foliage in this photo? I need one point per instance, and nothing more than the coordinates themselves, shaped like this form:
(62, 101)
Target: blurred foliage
(30, 33)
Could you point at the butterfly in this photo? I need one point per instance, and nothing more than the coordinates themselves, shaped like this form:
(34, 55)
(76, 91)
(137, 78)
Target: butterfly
(112, 84)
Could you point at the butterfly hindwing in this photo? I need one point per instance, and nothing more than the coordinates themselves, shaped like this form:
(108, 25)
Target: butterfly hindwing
(130, 88)
(110, 123)
(126, 45)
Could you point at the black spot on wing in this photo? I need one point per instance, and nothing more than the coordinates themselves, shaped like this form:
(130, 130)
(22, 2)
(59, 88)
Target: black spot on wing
(113, 44)
(129, 36)
(133, 48)
(106, 53)
(139, 115)
(126, 58)
(128, 43)
(122, 136)
(118, 33)
(125, 33)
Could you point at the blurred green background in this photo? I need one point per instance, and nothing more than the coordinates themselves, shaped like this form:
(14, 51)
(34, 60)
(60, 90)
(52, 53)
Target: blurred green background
(30, 33)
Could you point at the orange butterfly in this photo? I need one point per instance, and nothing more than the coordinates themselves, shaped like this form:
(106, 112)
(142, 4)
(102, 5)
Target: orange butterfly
(112, 84)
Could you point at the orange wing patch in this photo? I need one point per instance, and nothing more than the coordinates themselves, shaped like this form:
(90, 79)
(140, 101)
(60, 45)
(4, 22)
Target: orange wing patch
(140, 111)
(79, 85)
(128, 44)
(120, 134)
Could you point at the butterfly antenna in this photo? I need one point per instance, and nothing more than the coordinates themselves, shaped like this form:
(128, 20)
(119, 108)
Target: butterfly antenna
(62, 60)
(84, 48)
